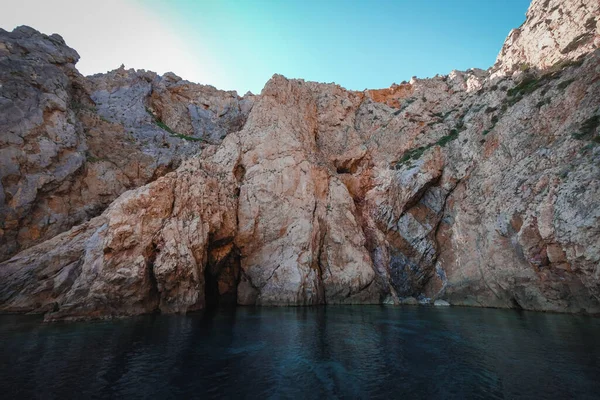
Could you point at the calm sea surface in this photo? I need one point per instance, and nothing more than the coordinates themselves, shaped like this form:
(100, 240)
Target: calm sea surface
(321, 352)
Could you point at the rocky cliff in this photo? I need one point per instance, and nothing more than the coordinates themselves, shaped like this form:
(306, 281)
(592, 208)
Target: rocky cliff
(128, 192)
(70, 145)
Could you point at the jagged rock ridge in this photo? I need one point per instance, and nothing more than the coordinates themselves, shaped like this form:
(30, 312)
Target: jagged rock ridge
(480, 188)
(70, 145)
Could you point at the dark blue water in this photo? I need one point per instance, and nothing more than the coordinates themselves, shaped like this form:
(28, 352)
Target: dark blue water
(334, 352)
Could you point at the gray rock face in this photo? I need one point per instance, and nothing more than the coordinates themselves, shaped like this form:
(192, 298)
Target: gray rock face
(478, 188)
(168, 109)
(40, 143)
(70, 145)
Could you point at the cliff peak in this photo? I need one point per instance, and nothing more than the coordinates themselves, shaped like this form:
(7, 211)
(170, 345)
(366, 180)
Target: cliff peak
(554, 31)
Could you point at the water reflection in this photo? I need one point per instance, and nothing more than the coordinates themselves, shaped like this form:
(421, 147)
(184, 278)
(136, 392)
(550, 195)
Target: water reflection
(342, 351)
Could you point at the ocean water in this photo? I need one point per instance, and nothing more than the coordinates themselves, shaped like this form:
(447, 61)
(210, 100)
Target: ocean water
(349, 352)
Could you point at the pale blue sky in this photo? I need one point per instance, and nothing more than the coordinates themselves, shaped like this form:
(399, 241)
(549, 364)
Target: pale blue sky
(240, 44)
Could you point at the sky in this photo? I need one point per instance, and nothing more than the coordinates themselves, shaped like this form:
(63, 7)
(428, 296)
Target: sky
(240, 44)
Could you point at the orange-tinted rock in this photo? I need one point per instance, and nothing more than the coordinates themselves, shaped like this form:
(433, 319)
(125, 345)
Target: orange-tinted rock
(393, 96)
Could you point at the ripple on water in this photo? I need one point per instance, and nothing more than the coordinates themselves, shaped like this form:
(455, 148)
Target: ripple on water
(317, 352)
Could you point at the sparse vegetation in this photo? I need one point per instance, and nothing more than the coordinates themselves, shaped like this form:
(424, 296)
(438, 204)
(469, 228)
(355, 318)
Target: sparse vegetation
(408, 102)
(526, 86)
(543, 102)
(186, 137)
(165, 127)
(561, 65)
(531, 83)
(416, 153)
(564, 84)
(587, 147)
(448, 138)
(78, 106)
(91, 159)
(524, 67)
(412, 154)
(587, 131)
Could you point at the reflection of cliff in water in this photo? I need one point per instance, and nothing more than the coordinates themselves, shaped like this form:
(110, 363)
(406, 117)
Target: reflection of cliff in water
(313, 352)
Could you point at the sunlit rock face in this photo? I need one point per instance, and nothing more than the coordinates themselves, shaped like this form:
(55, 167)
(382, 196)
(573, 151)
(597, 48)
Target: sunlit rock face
(478, 188)
(70, 144)
(555, 30)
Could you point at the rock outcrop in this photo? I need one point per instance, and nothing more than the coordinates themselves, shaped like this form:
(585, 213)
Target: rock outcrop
(478, 188)
(555, 30)
(70, 145)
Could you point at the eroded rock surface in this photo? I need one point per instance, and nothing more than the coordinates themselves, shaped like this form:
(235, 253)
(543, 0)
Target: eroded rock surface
(70, 145)
(554, 30)
(478, 188)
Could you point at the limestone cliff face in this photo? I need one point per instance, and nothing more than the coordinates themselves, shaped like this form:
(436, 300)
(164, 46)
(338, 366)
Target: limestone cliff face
(480, 188)
(70, 145)
(554, 30)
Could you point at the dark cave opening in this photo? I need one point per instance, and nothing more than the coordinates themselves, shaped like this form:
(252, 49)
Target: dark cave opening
(221, 275)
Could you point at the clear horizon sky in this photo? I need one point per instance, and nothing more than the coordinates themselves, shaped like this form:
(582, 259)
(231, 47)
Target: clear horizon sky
(240, 44)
